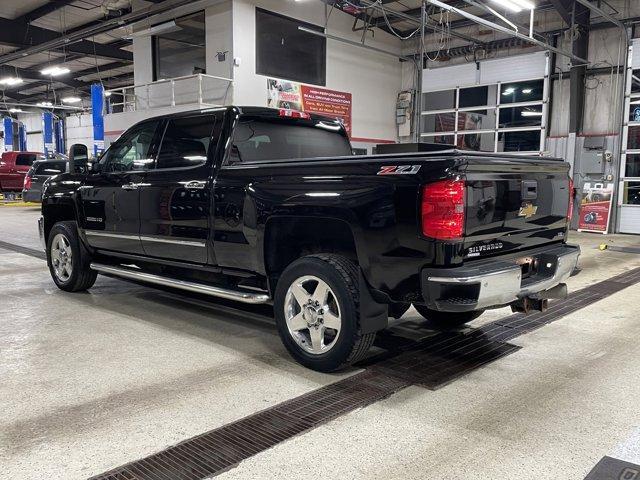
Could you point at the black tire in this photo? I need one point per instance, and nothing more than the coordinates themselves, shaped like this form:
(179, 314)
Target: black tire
(341, 275)
(447, 320)
(81, 276)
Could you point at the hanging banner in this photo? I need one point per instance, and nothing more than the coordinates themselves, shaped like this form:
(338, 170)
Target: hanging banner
(47, 134)
(310, 99)
(595, 207)
(97, 109)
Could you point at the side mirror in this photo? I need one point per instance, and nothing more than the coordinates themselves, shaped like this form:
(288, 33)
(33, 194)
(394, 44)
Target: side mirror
(78, 158)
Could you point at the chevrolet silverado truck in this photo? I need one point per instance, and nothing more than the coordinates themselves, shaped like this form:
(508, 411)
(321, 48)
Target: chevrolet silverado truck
(267, 206)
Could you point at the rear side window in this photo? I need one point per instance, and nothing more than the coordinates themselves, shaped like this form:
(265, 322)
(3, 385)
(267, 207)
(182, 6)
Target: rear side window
(25, 159)
(50, 168)
(186, 142)
(262, 141)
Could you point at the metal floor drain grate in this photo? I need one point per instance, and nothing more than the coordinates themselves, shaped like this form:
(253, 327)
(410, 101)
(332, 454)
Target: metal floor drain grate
(215, 451)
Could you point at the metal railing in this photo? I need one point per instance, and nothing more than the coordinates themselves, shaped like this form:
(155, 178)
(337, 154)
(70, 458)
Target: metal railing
(199, 89)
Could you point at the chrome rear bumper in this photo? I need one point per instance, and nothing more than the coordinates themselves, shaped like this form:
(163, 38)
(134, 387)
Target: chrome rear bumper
(497, 281)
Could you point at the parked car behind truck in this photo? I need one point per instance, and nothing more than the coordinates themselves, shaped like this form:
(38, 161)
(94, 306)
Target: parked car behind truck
(13, 168)
(269, 206)
(41, 171)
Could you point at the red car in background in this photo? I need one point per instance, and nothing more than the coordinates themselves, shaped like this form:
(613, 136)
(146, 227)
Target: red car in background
(13, 168)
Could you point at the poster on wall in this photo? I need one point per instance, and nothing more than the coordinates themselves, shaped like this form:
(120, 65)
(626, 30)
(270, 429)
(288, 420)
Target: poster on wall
(310, 99)
(595, 207)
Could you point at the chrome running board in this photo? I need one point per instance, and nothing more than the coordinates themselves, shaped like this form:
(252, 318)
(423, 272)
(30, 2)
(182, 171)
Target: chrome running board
(237, 295)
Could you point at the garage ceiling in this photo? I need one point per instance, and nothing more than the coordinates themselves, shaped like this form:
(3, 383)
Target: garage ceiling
(108, 56)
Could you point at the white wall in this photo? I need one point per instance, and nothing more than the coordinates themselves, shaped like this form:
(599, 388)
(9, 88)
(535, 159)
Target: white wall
(80, 130)
(33, 125)
(373, 79)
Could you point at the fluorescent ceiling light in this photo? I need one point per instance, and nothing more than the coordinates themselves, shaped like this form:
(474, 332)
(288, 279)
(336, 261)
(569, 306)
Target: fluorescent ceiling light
(509, 5)
(527, 90)
(526, 4)
(167, 27)
(10, 81)
(44, 104)
(15, 110)
(107, 93)
(55, 71)
(71, 100)
(530, 113)
(509, 91)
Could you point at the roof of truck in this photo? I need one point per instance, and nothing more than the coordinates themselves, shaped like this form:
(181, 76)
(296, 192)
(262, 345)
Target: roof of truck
(251, 111)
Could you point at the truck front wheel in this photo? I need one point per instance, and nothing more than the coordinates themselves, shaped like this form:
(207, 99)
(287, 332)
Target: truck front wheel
(447, 320)
(317, 312)
(68, 260)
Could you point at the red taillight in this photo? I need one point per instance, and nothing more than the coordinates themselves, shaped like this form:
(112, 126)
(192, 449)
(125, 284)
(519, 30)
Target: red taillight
(27, 182)
(570, 208)
(443, 209)
(285, 112)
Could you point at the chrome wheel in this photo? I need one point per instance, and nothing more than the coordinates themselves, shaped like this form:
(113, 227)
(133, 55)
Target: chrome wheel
(61, 257)
(312, 314)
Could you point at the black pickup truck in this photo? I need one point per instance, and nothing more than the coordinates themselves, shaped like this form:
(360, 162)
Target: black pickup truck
(270, 206)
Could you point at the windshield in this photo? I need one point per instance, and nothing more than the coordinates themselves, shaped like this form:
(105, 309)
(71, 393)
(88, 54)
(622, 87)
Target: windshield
(260, 140)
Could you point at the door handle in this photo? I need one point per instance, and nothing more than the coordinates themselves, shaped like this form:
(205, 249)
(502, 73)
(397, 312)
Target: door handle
(134, 186)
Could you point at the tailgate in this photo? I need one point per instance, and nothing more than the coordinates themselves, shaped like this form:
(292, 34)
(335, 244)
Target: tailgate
(514, 204)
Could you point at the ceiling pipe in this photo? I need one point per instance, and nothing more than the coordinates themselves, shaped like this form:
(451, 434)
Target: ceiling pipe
(502, 29)
(102, 27)
(355, 44)
(416, 21)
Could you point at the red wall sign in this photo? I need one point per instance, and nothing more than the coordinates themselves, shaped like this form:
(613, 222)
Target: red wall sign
(306, 98)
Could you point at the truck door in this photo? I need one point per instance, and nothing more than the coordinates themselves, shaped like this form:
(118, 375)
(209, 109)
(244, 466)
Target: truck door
(110, 198)
(175, 198)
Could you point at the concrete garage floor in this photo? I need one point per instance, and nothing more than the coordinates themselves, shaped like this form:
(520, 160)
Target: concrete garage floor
(92, 381)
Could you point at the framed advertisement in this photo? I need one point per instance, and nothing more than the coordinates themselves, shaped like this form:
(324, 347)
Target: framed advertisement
(595, 207)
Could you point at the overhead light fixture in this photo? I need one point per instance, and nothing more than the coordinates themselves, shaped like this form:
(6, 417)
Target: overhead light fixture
(10, 81)
(71, 100)
(531, 113)
(44, 104)
(55, 71)
(508, 91)
(15, 110)
(526, 4)
(107, 93)
(167, 27)
(527, 91)
(508, 5)
(515, 5)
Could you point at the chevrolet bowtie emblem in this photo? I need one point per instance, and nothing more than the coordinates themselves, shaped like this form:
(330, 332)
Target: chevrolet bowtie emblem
(528, 210)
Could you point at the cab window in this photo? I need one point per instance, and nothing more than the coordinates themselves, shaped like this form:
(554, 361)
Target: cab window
(25, 159)
(186, 142)
(132, 151)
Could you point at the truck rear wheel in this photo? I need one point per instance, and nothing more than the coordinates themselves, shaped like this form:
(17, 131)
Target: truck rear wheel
(68, 260)
(447, 320)
(317, 312)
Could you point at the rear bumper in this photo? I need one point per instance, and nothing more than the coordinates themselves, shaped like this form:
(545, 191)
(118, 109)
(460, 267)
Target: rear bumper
(497, 281)
(32, 196)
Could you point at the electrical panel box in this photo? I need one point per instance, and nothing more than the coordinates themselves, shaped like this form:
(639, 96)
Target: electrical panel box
(591, 162)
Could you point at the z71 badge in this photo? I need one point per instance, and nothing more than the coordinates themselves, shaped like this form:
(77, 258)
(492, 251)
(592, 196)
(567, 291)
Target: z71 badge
(399, 170)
